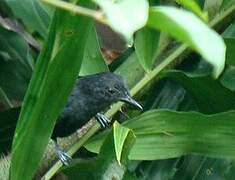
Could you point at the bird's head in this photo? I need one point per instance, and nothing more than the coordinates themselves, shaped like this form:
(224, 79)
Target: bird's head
(108, 87)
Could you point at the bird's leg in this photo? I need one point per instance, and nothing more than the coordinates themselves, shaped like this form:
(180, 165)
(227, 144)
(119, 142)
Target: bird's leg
(62, 155)
(103, 120)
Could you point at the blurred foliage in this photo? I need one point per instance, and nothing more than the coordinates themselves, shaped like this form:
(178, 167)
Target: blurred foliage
(187, 128)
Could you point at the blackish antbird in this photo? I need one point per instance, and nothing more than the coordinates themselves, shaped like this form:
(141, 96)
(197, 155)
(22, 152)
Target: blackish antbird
(91, 95)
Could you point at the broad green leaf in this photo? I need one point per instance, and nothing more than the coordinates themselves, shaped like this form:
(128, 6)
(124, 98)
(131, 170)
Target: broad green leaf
(52, 81)
(166, 134)
(194, 7)
(34, 14)
(125, 17)
(106, 166)
(123, 139)
(209, 94)
(191, 30)
(146, 46)
(93, 61)
(162, 134)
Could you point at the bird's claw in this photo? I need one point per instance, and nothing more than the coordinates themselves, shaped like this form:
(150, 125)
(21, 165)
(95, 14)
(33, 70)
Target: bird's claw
(103, 120)
(64, 157)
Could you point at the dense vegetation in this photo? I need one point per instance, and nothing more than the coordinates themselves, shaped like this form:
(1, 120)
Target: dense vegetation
(178, 63)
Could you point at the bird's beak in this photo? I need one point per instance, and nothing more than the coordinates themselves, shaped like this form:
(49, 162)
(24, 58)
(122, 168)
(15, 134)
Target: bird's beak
(128, 99)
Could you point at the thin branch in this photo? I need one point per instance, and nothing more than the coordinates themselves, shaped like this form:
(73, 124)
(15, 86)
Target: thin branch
(79, 10)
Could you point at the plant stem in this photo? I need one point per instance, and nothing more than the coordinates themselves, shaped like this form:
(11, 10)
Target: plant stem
(140, 85)
(97, 15)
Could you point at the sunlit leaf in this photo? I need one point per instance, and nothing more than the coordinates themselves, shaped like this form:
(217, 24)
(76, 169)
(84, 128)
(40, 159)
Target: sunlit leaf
(125, 17)
(123, 139)
(188, 28)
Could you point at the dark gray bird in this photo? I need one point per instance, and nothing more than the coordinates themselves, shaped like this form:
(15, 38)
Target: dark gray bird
(91, 95)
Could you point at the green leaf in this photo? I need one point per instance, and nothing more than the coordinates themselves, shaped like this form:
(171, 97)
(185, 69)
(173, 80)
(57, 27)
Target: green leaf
(123, 140)
(191, 30)
(33, 13)
(56, 68)
(167, 134)
(163, 134)
(210, 95)
(107, 166)
(125, 17)
(146, 45)
(93, 61)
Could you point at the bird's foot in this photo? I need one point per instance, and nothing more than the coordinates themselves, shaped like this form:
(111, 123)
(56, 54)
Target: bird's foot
(63, 156)
(103, 120)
